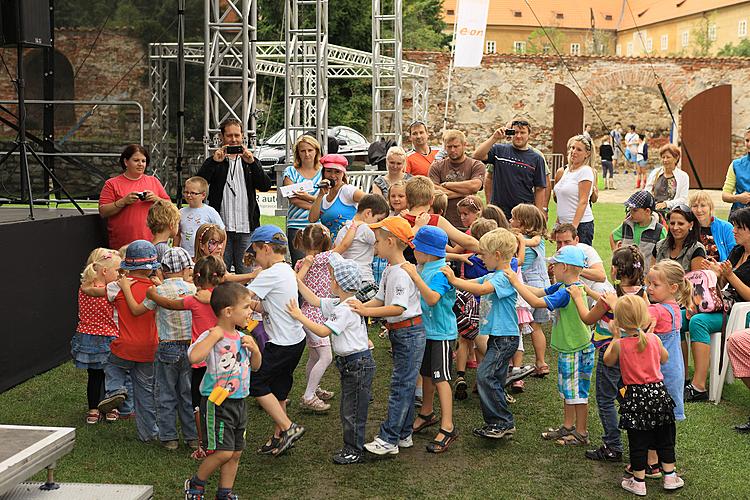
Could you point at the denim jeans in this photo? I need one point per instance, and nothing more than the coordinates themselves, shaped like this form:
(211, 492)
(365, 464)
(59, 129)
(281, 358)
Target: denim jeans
(356, 387)
(586, 232)
(608, 383)
(126, 408)
(234, 252)
(408, 350)
(115, 373)
(173, 392)
(491, 375)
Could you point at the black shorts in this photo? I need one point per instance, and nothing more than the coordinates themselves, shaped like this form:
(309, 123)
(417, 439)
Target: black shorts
(223, 426)
(436, 362)
(276, 372)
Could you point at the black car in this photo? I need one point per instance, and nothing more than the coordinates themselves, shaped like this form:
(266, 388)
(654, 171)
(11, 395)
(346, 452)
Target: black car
(351, 143)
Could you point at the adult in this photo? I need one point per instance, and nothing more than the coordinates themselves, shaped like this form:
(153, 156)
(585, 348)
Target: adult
(573, 188)
(616, 138)
(669, 184)
(587, 131)
(682, 243)
(606, 153)
(336, 201)
(233, 179)
(125, 199)
(715, 234)
(738, 349)
(306, 167)
(736, 188)
(593, 274)
(418, 161)
(631, 146)
(458, 175)
(517, 173)
(735, 272)
(641, 162)
(395, 162)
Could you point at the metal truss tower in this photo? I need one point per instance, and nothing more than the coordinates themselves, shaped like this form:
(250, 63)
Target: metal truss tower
(387, 99)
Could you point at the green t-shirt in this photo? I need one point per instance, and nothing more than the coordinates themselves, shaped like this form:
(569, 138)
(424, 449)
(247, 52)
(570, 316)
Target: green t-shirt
(569, 333)
(637, 231)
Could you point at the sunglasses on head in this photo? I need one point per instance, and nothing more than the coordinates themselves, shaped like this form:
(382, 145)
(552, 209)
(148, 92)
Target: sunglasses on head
(681, 208)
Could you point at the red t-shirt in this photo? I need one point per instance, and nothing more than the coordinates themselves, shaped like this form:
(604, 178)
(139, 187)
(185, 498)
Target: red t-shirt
(129, 224)
(203, 318)
(412, 219)
(137, 338)
(419, 164)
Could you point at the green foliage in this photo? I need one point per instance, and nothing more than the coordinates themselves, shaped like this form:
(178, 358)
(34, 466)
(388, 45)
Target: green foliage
(423, 25)
(741, 49)
(539, 43)
(699, 34)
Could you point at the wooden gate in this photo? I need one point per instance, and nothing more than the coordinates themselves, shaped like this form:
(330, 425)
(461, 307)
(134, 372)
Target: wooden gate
(567, 119)
(707, 132)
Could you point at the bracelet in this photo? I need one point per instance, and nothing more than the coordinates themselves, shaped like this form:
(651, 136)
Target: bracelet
(115, 203)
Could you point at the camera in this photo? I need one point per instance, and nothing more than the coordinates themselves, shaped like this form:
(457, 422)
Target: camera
(510, 131)
(326, 183)
(233, 150)
(142, 195)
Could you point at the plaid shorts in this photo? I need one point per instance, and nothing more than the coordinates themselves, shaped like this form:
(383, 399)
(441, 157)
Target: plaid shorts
(574, 375)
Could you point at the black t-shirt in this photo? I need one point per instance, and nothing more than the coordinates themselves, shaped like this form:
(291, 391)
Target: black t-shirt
(743, 271)
(605, 151)
(515, 175)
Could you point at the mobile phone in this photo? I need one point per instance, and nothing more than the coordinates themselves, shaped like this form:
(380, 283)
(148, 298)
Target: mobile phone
(233, 150)
(510, 131)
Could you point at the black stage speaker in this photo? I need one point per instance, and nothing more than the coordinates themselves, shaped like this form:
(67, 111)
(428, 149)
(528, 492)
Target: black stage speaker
(35, 23)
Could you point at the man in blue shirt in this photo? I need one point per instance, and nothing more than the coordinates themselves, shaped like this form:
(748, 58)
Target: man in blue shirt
(736, 188)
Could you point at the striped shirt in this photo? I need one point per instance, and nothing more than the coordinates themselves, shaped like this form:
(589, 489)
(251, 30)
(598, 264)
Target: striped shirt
(235, 210)
(173, 325)
(297, 217)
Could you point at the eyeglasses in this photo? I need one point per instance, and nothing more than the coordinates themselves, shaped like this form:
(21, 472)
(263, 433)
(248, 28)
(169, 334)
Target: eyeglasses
(214, 244)
(192, 193)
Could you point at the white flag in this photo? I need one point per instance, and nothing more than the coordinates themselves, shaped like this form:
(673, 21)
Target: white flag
(471, 24)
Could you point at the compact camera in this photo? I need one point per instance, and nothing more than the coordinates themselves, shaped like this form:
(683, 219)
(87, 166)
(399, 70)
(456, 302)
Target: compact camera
(142, 195)
(233, 150)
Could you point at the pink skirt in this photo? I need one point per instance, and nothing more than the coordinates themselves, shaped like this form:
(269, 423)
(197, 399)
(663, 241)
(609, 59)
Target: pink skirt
(738, 348)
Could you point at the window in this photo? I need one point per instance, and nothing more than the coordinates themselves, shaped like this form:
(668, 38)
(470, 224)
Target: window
(519, 47)
(491, 47)
(685, 38)
(608, 17)
(450, 12)
(742, 28)
(629, 49)
(664, 42)
(712, 32)
(575, 49)
(618, 49)
(649, 44)
(516, 13)
(559, 15)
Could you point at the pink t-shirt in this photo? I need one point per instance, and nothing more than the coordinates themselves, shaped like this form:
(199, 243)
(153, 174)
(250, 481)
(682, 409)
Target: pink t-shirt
(203, 318)
(640, 367)
(662, 317)
(129, 224)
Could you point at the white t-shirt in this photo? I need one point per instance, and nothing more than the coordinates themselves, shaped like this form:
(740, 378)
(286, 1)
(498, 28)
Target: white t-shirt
(592, 258)
(349, 332)
(191, 219)
(345, 194)
(631, 140)
(566, 190)
(362, 249)
(397, 289)
(276, 287)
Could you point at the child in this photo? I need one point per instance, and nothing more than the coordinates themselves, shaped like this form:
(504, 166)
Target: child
(229, 356)
(437, 297)
(172, 366)
(210, 239)
(641, 227)
(646, 411)
(439, 204)
(96, 327)
(163, 220)
(348, 334)
(397, 301)
(496, 213)
(132, 352)
(500, 323)
(528, 221)
(195, 214)
(469, 210)
(315, 241)
(571, 338)
(397, 197)
(275, 286)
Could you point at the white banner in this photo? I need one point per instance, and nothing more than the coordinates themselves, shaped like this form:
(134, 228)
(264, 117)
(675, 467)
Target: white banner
(471, 24)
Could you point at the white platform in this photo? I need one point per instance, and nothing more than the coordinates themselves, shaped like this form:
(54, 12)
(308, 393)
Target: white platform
(80, 491)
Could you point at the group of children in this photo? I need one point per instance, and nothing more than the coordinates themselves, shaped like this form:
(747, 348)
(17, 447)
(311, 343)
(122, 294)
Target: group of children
(185, 324)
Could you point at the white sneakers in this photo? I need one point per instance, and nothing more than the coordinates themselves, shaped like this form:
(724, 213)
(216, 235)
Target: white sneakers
(379, 447)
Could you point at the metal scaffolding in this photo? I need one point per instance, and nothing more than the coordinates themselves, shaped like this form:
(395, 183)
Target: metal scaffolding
(158, 75)
(387, 100)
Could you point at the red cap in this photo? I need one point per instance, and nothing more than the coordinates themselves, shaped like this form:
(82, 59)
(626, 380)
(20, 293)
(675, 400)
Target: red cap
(335, 162)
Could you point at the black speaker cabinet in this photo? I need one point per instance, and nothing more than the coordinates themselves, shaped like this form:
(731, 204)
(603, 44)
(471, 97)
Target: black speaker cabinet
(35, 23)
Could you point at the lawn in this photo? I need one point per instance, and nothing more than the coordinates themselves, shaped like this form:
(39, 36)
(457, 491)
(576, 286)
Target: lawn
(711, 456)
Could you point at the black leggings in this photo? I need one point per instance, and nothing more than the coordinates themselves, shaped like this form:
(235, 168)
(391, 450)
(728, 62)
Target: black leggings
(195, 385)
(95, 387)
(661, 439)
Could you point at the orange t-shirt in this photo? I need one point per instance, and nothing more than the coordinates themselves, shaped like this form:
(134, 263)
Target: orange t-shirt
(137, 339)
(419, 164)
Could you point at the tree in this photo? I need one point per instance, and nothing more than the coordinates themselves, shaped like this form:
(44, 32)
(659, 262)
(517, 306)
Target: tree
(742, 49)
(540, 43)
(702, 36)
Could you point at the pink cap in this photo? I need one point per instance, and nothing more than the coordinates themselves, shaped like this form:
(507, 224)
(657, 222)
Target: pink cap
(335, 162)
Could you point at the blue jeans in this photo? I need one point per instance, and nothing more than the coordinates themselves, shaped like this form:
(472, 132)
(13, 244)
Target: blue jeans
(408, 350)
(234, 252)
(491, 375)
(608, 383)
(173, 392)
(586, 232)
(116, 372)
(357, 371)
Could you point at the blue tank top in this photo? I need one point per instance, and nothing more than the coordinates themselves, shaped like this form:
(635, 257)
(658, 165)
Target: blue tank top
(336, 215)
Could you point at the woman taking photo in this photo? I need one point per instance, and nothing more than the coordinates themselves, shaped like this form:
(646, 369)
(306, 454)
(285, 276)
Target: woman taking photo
(573, 189)
(335, 203)
(395, 161)
(125, 200)
(306, 168)
(668, 184)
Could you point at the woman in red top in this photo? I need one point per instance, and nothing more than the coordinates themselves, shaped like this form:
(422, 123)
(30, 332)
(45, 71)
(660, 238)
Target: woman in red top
(125, 200)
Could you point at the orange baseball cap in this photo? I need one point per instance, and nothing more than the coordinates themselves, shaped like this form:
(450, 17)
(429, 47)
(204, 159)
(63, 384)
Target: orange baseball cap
(398, 227)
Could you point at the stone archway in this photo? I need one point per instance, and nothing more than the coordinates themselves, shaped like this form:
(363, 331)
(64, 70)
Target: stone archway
(64, 89)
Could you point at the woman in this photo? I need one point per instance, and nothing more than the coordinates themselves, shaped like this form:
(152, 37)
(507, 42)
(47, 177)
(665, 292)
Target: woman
(716, 234)
(395, 160)
(682, 243)
(124, 200)
(336, 202)
(574, 187)
(738, 349)
(668, 184)
(306, 168)
(735, 272)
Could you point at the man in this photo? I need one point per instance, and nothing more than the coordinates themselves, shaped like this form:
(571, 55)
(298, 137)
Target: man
(517, 173)
(421, 157)
(593, 275)
(736, 188)
(587, 131)
(616, 140)
(457, 175)
(232, 182)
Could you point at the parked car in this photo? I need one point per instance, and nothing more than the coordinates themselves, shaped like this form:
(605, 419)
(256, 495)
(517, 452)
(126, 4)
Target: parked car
(352, 144)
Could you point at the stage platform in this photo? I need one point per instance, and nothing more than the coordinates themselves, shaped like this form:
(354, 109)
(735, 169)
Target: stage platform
(80, 491)
(12, 215)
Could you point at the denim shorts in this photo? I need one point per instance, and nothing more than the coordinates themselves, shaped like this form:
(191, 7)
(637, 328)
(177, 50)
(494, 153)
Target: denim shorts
(90, 351)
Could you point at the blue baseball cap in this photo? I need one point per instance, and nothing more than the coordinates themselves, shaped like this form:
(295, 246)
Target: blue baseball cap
(140, 254)
(269, 234)
(431, 240)
(570, 255)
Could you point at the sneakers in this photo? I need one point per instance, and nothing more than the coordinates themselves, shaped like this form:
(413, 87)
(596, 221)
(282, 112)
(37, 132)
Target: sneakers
(112, 402)
(288, 438)
(417, 401)
(517, 387)
(170, 445)
(743, 428)
(673, 482)
(693, 394)
(193, 493)
(493, 432)
(347, 457)
(315, 405)
(324, 394)
(604, 454)
(633, 486)
(460, 389)
(379, 447)
(407, 442)
(518, 373)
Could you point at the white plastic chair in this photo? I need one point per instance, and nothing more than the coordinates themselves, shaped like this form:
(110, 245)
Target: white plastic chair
(736, 321)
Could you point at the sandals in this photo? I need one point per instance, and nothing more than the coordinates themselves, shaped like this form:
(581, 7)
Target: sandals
(427, 421)
(559, 433)
(268, 448)
(436, 446)
(575, 438)
(541, 371)
(93, 417)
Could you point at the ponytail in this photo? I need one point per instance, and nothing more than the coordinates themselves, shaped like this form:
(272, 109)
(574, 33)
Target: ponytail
(684, 295)
(642, 340)
(631, 315)
(88, 275)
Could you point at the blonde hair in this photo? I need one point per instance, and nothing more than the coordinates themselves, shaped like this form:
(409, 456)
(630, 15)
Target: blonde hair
(496, 213)
(471, 202)
(200, 181)
(482, 226)
(499, 240)
(439, 203)
(631, 314)
(419, 191)
(531, 218)
(701, 197)
(162, 215)
(98, 253)
(203, 234)
(453, 134)
(674, 274)
(312, 141)
(396, 151)
(99, 258)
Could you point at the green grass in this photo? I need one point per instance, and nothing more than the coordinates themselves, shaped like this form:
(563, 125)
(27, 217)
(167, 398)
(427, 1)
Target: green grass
(711, 456)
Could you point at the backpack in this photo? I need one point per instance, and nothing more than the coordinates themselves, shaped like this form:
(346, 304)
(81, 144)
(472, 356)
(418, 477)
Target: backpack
(377, 151)
(707, 297)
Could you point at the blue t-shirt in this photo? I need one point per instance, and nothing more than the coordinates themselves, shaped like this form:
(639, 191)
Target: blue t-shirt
(498, 310)
(476, 270)
(439, 320)
(530, 255)
(191, 219)
(227, 366)
(515, 175)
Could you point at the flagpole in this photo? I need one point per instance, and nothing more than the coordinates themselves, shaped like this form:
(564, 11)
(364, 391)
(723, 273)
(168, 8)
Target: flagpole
(450, 68)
